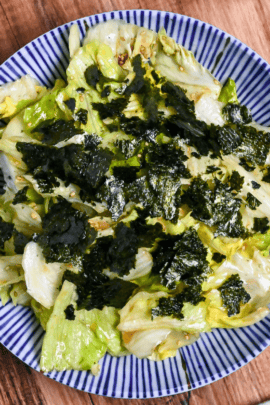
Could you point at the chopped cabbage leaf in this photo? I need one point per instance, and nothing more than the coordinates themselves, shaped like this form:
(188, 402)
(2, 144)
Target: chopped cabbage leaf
(78, 344)
(136, 315)
(39, 273)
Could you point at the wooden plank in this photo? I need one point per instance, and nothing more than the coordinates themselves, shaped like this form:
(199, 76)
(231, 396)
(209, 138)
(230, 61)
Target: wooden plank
(20, 22)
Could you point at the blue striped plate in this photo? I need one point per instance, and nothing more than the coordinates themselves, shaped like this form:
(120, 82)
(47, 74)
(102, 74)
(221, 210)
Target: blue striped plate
(215, 354)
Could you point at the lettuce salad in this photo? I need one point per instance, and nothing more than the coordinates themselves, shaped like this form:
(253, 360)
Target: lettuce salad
(137, 201)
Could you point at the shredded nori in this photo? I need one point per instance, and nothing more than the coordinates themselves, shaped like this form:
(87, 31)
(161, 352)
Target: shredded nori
(233, 294)
(20, 196)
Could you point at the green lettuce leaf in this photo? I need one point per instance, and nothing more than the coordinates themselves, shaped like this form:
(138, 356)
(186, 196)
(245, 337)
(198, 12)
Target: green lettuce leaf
(228, 92)
(78, 344)
(42, 314)
(45, 109)
(179, 66)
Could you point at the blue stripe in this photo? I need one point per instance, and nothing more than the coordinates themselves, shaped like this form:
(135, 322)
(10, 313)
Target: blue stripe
(250, 77)
(178, 373)
(123, 382)
(212, 358)
(188, 365)
(158, 379)
(11, 69)
(116, 377)
(265, 122)
(33, 70)
(149, 378)
(37, 356)
(142, 19)
(204, 46)
(70, 377)
(81, 29)
(135, 17)
(42, 70)
(175, 386)
(234, 53)
(11, 325)
(165, 378)
(199, 39)
(18, 64)
(172, 26)
(192, 36)
(107, 378)
(77, 381)
(233, 343)
(137, 375)
(194, 347)
(33, 345)
(186, 33)
(179, 29)
(158, 22)
(85, 381)
(56, 56)
(55, 67)
(128, 17)
(150, 19)
(143, 378)
(214, 55)
(101, 375)
(216, 353)
(236, 64)
(130, 388)
(29, 337)
(59, 47)
(166, 21)
(12, 309)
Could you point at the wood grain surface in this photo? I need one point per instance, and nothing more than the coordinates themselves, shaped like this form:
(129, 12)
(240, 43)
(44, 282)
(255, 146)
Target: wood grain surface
(20, 22)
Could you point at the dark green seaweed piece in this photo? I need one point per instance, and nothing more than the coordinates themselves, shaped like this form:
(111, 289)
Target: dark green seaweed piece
(105, 92)
(71, 104)
(217, 207)
(6, 230)
(69, 312)
(233, 294)
(212, 169)
(20, 196)
(92, 75)
(252, 201)
(112, 108)
(81, 116)
(66, 234)
(218, 257)
(237, 114)
(71, 163)
(20, 241)
(266, 176)
(138, 83)
(94, 288)
(261, 225)
(180, 258)
(255, 185)
(236, 181)
(172, 306)
(112, 191)
(57, 131)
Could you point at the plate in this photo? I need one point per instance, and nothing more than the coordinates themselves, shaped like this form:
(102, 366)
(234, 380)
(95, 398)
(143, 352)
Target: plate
(215, 354)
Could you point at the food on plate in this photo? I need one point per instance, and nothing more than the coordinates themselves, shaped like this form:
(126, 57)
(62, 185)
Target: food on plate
(137, 201)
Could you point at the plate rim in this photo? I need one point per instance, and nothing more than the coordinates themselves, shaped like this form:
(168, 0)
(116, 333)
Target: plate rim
(257, 57)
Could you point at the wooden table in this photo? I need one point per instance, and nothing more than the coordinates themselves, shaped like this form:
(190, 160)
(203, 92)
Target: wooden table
(23, 20)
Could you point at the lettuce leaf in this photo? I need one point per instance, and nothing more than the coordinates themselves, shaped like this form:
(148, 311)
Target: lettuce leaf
(78, 344)
(228, 92)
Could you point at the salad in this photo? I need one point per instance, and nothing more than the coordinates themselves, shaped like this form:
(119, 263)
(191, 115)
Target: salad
(136, 207)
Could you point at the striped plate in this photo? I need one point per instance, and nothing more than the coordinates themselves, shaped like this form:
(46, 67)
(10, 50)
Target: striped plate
(215, 354)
